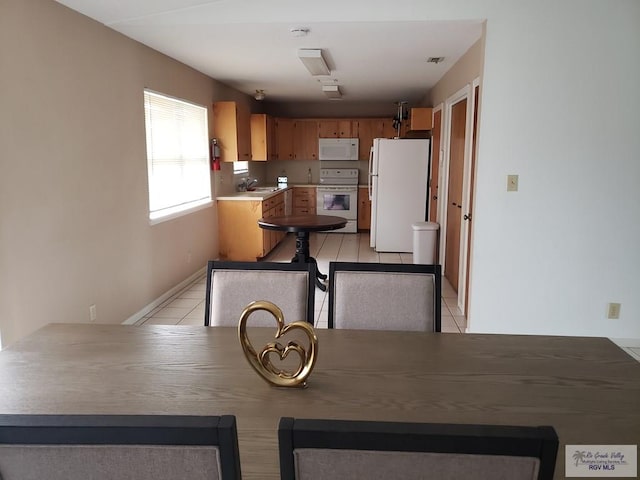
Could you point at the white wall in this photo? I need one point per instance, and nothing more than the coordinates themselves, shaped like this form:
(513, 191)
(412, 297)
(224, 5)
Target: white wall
(560, 109)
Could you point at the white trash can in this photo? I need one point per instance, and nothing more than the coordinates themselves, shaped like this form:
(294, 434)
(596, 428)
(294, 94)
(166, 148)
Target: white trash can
(425, 242)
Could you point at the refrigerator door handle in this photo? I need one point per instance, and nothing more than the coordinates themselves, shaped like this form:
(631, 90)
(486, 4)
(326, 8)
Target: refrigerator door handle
(370, 173)
(374, 214)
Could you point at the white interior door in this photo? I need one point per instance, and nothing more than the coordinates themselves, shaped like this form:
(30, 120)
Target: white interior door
(453, 189)
(468, 199)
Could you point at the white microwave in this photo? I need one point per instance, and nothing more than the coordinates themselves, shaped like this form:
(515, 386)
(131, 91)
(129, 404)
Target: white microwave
(338, 148)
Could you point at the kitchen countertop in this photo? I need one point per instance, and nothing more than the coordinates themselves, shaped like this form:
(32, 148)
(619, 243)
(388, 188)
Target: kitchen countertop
(259, 196)
(256, 196)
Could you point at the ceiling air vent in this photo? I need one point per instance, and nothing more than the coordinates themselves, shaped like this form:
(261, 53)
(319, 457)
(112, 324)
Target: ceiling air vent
(435, 59)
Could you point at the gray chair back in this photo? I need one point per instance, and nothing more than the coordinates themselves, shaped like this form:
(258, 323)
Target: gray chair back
(123, 447)
(330, 449)
(231, 286)
(385, 296)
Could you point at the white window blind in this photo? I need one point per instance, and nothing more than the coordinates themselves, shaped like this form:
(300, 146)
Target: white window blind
(177, 155)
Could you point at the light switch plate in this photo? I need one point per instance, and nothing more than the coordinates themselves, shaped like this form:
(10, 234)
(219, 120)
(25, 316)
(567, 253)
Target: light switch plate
(512, 183)
(613, 312)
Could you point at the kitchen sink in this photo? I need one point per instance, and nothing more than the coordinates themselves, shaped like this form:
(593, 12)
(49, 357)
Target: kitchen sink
(264, 190)
(259, 192)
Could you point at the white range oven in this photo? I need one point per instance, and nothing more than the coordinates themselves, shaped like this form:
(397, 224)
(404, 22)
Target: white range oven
(338, 196)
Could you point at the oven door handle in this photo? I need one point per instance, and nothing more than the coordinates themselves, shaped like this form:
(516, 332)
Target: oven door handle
(345, 191)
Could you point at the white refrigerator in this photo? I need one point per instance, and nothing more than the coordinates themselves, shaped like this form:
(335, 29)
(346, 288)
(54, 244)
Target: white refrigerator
(398, 189)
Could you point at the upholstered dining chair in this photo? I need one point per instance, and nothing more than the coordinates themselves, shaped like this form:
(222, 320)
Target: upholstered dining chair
(141, 447)
(330, 449)
(231, 286)
(384, 296)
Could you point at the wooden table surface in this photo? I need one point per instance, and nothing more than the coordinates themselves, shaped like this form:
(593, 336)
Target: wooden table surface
(587, 388)
(303, 223)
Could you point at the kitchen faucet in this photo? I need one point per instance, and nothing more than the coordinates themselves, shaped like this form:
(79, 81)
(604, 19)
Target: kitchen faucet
(246, 183)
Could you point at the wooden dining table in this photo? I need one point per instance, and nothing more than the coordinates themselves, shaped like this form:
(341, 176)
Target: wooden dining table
(302, 226)
(587, 388)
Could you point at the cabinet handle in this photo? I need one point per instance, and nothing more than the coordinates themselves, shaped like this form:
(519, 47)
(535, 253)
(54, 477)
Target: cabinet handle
(467, 217)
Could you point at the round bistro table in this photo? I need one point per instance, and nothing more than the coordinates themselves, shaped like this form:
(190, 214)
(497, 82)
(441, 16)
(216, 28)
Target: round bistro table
(302, 225)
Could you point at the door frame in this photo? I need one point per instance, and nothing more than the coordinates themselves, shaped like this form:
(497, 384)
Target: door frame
(438, 108)
(466, 237)
(463, 94)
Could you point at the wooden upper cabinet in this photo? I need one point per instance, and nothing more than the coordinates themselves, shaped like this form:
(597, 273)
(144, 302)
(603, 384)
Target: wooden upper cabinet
(337, 128)
(298, 138)
(232, 128)
(284, 138)
(390, 132)
(421, 118)
(263, 138)
(366, 134)
(370, 128)
(305, 140)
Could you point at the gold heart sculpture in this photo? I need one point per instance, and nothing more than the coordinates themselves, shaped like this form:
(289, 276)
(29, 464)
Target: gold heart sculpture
(261, 362)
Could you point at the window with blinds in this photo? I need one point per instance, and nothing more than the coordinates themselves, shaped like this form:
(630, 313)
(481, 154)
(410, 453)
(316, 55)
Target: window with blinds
(177, 156)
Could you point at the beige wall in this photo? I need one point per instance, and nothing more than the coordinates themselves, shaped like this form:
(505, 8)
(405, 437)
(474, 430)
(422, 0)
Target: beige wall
(74, 227)
(462, 73)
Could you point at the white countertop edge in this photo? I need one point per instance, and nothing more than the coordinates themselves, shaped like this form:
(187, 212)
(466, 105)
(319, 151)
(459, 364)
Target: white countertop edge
(244, 196)
(249, 196)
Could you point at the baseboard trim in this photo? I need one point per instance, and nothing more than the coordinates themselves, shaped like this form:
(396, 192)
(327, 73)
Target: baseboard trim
(133, 319)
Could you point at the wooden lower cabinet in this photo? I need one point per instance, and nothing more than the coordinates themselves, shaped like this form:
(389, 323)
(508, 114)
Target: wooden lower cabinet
(241, 239)
(304, 200)
(364, 209)
(271, 238)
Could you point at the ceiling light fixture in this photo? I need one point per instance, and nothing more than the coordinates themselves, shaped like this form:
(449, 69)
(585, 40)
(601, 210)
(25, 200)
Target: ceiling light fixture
(259, 95)
(332, 91)
(313, 60)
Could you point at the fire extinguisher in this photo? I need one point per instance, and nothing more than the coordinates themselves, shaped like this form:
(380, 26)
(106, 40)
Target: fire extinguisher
(215, 154)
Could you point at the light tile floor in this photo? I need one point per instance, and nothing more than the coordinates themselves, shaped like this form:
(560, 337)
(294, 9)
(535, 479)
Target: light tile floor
(187, 307)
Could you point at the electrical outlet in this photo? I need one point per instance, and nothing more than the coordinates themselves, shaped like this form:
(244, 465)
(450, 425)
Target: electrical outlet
(613, 312)
(93, 314)
(512, 183)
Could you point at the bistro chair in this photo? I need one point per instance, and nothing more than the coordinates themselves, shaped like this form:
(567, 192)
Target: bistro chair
(141, 447)
(385, 296)
(231, 286)
(330, 449)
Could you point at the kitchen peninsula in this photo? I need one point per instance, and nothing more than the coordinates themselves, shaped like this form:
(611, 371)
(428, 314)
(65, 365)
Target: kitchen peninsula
(240, 237)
